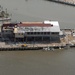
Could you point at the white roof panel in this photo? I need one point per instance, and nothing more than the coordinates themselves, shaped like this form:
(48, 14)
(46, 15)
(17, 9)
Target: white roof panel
(56, 27)
(55, 23)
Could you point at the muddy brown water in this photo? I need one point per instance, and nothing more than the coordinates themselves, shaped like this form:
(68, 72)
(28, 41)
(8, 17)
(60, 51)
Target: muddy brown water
(58, 62)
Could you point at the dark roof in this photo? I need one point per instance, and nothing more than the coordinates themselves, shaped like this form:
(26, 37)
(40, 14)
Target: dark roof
(9, 24)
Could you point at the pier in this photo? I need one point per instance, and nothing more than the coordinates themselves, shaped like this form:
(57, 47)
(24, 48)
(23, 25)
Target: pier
(35, 47)
(66, 2)
(40, 46)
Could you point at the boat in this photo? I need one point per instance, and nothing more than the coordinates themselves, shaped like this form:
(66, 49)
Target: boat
(4, 15)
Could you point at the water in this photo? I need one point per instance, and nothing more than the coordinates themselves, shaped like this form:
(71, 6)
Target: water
(40, 10)
(59, 62)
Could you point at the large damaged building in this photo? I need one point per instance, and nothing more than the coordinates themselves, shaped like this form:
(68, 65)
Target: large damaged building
(32, 32)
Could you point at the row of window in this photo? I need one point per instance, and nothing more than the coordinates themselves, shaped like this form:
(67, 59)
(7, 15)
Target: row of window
(38, 33)
(35, 33)
(7, 31)
(42, 33)
(20, 34)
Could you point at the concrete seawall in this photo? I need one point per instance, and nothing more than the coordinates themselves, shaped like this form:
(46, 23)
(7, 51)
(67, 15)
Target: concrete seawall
(37, 48)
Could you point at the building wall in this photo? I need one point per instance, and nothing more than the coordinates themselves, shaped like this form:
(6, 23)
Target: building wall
(39, 37)
(19, 35)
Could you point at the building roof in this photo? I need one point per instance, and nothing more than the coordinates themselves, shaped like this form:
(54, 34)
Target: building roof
(35, 25)
(9, 24)
(56, 27)
(54, 23)
(52, 26)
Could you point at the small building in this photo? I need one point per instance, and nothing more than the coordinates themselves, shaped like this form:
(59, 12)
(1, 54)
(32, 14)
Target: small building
(7, 30)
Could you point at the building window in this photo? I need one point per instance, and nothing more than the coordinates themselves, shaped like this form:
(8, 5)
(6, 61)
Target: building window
(28, 33)
(38, 32)
(31, 32)
(48, 32)
(35, 33)
(44, 32)
(41, 32)
(54, 33)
